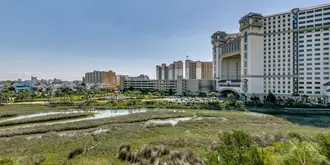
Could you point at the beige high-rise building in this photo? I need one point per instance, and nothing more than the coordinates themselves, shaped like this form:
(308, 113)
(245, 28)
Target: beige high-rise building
(170, 72)
(198, 70)
(107, 79)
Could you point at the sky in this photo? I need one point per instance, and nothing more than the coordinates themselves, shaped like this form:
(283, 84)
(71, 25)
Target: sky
(66, 38)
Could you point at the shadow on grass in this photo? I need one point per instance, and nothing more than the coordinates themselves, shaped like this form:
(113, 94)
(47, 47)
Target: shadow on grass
(316, 120)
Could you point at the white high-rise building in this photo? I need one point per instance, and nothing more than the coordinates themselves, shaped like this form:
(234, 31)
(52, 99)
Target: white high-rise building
(286, 54)
(170, 72)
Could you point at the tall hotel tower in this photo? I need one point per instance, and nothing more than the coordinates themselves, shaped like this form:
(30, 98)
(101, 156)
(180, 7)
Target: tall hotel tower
(286, 54)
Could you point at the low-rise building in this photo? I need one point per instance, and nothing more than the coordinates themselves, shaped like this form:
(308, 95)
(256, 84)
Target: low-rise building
(24, 87)
(179, 85)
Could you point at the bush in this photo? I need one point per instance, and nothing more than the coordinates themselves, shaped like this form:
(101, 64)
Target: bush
(235, 148)
(239, 104)
(6, 161)
(305, 153)
(269, 105)
(160, 155)
(323, 140)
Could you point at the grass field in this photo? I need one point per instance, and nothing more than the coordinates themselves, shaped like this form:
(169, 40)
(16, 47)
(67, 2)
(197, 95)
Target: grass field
(102, 138)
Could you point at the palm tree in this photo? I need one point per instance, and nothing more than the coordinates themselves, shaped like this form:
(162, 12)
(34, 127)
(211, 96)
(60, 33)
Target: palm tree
(1, 95)
(33, 95)
(49, 93)
(7, 94)
(26, 94)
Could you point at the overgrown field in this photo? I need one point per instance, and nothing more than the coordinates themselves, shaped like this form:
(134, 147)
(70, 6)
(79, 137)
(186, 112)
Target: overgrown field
(98, 141)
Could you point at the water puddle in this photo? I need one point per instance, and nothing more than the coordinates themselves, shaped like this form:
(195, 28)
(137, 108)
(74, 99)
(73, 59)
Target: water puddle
(173, 122)
(37, 115)
(99, 114)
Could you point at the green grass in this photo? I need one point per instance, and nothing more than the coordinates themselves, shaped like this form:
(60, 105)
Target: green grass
(133, 118)
(46, 118)
(194, 135)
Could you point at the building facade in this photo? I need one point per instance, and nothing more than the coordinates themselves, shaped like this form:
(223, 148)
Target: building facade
(170, 72)
(179, 85)
(106, 79)
(198, 70)
(286, 54)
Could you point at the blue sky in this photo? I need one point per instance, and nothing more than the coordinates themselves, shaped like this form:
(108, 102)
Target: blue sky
(66, 38)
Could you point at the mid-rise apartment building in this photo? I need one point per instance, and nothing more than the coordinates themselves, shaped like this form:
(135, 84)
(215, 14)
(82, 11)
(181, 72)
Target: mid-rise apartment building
(104, 78)
(170, 72)
(284, 53)
(179, 85)
(198, 70)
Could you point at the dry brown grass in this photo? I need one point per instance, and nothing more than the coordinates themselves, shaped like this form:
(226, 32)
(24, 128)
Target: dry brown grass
(157, 155)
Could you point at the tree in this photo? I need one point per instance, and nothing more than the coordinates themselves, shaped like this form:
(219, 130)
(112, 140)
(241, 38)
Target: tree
(49, 93)
(170, 92)
(239, 104)
(26, 94)
(271, 98)
(231, 98)
(33, 95)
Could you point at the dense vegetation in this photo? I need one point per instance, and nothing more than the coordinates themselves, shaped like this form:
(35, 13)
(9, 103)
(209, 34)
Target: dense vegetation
(209, 136)
(240, 148)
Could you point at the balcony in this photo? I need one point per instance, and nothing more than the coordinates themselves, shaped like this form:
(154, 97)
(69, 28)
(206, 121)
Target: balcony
(229, 83)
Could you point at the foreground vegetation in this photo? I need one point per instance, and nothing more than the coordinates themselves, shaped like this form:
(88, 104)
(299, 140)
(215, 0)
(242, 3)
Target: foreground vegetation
(208, 136)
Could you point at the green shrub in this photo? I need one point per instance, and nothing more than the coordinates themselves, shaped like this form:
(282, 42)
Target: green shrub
(323, 140)
(6, 161)
(235, 148)
(303, 153)
(239, 104)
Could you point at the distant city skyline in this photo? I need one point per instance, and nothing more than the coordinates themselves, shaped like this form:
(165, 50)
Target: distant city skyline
(64, 39)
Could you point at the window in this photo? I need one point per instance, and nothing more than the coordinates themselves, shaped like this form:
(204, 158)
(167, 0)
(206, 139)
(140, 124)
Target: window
(317, 39)
(317, 35)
